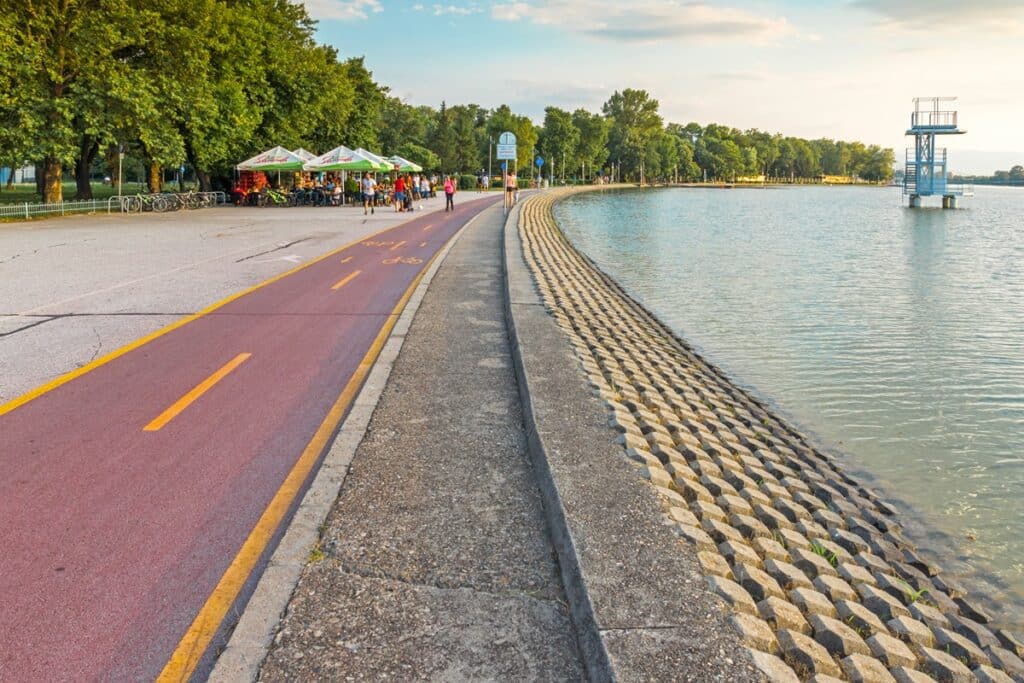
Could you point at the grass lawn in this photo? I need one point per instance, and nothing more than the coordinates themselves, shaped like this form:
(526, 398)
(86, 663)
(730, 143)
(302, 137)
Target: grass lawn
(26, 192)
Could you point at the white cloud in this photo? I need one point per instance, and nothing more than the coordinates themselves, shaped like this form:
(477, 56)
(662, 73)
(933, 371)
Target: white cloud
(344, 10)
(648, 20)
(942, 15)
(458, 10)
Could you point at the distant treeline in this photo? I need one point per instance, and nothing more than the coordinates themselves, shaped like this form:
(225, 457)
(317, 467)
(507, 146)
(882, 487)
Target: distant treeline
(206, 83)
(1015, 176)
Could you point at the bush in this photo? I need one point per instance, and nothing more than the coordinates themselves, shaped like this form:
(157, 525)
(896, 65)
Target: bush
(467, 181)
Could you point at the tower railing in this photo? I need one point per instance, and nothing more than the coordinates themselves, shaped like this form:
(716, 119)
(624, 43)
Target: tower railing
(933, 119)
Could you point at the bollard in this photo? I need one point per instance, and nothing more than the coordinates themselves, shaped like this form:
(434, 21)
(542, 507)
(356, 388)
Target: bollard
(26, 210)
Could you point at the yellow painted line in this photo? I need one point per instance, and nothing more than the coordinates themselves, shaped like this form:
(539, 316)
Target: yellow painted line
(423, 244)
(188, 399)
(345, 280)
(347, 259)
(142, 341)
(428, 227)
(397, 245)
(197, 638)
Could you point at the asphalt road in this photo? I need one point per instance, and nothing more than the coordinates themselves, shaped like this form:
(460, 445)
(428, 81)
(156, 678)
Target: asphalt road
(129, 491)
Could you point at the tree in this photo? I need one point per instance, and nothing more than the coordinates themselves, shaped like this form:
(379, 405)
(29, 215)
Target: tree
(441, 139)
(401, 123)
(559, 138)
(634, 122)
(419, 155)
(592, 149)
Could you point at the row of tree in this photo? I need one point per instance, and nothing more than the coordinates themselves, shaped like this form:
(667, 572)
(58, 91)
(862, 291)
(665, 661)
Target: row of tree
(1015, 176)
(205, 83)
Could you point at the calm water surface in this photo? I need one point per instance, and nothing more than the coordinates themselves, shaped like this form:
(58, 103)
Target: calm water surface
(894, 336)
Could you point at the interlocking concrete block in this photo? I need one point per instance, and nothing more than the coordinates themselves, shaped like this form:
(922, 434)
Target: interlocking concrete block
(904, 674)
(853, 573)
(721, 531)
(670, 498)
(774, 669)
(873, 563)
(642, 457)
(787, 575)
(705, 510)
(890, 651)
(755, 632)
(850, 542)
(880, 602)
(988, 674)
(734, 505)
(790, 538)
(806, 656)
(769, 548)
(1007, 661)
(929, 614)
(750, 527)
(911, 631)
(737, 552)
(823, 678)
(958, 646)
(860, 618)
(683, 516)
(696, 536)
(811, 563)
(782, 614)
(835, 588)
(1011, 641)
(772, 518)
(717, 486)
(974, 632)
(864, 669)
(656, 475)
(837, 637)
(812, 530)
(895, 586)
(755, 496)
(758, 583)
(734, 595)
(713, 564)
(692, 490)
(972, 610)
(943, 667)
(811, 601)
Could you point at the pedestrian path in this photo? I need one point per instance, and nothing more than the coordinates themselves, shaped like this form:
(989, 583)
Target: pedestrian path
(435, 562)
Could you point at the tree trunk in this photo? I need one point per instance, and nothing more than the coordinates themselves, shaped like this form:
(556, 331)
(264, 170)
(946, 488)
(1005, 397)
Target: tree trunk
(155, 177)
(10, 178)
(204, 181)
(87, 149)
(181, 181)
(111, 157)
(52, 189)
(39, 179)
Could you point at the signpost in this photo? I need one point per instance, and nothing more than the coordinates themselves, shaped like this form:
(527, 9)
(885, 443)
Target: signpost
(506, 152)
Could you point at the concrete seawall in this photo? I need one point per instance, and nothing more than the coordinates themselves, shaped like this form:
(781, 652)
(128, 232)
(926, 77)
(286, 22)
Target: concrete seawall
(808, 564)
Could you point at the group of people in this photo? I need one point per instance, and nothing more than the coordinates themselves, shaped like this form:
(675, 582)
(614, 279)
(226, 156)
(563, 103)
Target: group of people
(407, 188)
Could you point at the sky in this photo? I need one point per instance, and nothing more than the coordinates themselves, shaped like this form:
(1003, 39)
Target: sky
(844, 69)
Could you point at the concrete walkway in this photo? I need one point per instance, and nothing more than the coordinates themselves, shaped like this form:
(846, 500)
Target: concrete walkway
(435, 561)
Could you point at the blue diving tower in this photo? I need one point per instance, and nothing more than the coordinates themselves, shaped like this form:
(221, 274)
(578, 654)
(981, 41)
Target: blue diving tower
(925, 173)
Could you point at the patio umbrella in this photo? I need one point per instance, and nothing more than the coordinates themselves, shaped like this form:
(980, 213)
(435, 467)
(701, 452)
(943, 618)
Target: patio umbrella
(277, 159)
(306, 155)
(384, 164)
(342, 158)
(404, 165)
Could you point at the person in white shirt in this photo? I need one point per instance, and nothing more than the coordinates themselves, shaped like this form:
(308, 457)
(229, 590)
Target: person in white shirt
(369, 189)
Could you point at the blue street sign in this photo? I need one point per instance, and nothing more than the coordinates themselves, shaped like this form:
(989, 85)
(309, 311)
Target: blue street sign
(504, 166)
(540, 161)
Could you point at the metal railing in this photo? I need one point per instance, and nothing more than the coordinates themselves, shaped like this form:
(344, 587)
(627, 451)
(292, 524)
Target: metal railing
(933, 119)
(116, 204)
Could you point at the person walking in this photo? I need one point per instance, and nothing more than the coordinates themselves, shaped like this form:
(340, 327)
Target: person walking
(487, 183)
(512, 188)
(400, 194)
(449, 194)
(369, 189)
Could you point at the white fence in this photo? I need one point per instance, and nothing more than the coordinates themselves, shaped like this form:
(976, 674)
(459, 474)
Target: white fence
(117, 204)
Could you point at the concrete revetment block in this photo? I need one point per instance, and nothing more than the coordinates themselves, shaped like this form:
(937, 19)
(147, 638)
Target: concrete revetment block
(783, 615)
(944, 667)
(774, 669)
(733, 594)
(713, 564)
(683, 516)
(890, 651)
(881, 603)
(988, 674)
(834, 588)
(770, 549)
(911, 631)
(755, 632)
(793, 539)
(787, 575)
(806, 656)
(837, 637)
(696, 536)
(904, 674)
(958, 646)
(863, 669)
(854, 573)
(772, 518)
(758, 583)
(737, 552)
(811, 564)
(860, 618)
(706, 510)
(1011, 641)
(754, 496)
(812, 602)
(720, 531)
(1007, 661)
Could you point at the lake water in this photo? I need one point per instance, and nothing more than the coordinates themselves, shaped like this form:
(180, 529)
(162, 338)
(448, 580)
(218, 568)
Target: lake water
(894, 337)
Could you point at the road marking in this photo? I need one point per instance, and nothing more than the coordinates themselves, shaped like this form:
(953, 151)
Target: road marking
(345, 280)
(188, 399)
(197, 638)
(423, 244)
(408, 260)
(397, 245)
(346, 259)
(142, 341)
(428, 227)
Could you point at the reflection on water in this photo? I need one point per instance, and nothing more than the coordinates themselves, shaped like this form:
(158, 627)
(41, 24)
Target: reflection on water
(895, 336)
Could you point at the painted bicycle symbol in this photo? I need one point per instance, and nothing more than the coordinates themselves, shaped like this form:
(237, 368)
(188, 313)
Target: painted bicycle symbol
(377, 243)
(407, 260)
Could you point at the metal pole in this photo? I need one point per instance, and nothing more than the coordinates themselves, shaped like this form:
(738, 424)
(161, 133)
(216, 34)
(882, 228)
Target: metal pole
(120, 158)
(490, 144)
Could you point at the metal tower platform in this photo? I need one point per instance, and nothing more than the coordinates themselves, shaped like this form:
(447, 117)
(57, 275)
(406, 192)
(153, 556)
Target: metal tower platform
(925, 173)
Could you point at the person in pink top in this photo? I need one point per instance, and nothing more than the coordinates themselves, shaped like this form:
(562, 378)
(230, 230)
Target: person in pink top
(449, 194)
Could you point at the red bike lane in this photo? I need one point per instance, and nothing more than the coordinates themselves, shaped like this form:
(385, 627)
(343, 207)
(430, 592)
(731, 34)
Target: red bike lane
(129, 491)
